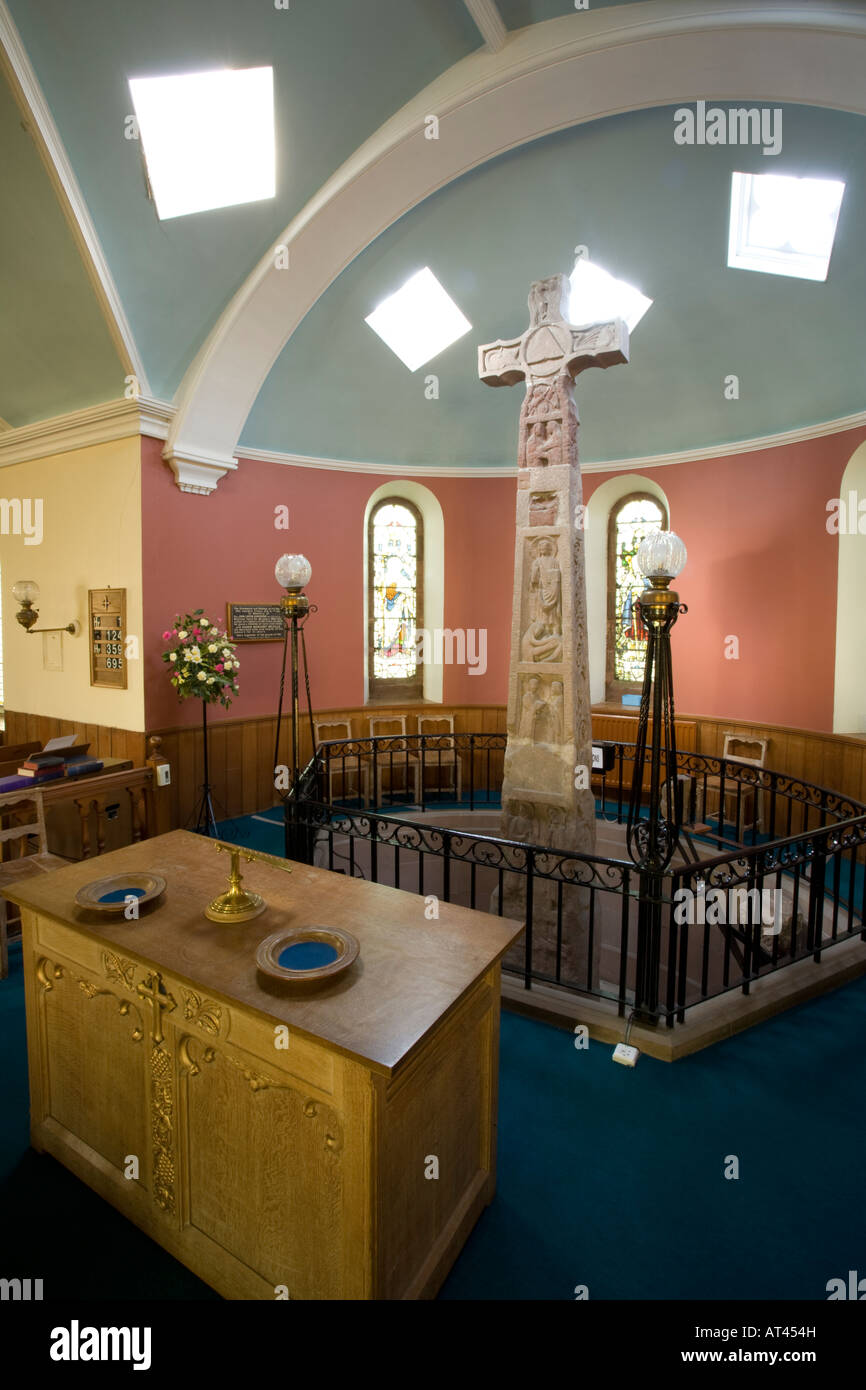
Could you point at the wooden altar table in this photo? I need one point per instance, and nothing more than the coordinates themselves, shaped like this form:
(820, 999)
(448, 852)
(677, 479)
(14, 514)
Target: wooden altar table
(302, 1171)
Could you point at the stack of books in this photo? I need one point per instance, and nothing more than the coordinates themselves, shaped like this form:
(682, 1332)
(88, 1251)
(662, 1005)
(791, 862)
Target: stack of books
(61, 757)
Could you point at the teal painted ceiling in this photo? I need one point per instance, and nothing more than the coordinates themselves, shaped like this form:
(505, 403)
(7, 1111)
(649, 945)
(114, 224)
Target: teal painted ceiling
(339, 74)
(651, 212)
(56, 353)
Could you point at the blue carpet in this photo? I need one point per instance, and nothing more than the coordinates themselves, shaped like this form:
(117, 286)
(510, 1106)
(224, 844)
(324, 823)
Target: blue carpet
(615, 1178)
(607, 1177)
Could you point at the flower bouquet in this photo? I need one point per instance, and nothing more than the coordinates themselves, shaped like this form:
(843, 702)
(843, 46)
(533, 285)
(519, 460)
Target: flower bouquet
(202, 660)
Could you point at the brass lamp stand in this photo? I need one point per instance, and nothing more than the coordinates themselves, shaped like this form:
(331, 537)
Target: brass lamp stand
(293, 572)
(653, 839)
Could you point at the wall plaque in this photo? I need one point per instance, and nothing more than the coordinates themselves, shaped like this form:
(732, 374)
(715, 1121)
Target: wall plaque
(254, 622)
(107, 609)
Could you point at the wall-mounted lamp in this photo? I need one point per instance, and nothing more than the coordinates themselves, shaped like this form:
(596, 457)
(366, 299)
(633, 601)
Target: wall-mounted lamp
(26, 592)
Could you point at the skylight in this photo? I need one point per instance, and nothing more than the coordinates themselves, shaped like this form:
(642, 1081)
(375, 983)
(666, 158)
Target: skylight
(596, 297)
(419, 320)
(208, 138)
(783, 225)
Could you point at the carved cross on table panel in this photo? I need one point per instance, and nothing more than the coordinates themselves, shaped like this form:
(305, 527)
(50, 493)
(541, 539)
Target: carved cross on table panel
(550, 349)
(154, 993)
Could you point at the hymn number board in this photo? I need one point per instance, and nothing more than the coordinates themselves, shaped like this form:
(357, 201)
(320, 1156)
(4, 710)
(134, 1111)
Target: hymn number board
(107, 638)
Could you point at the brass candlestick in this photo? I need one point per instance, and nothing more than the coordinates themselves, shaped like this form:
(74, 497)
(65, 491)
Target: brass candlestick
(238, 904)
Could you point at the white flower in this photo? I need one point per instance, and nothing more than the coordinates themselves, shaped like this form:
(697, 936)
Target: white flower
(212, 647)
(194, 654)
(210, 680)
(203, 622)
(172, 656)
(226, 651)
(202, 676)
(181, 635)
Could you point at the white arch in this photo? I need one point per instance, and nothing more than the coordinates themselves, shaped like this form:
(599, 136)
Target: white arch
(545, 78)
(849, 695)
(597, 512)
(430, 508)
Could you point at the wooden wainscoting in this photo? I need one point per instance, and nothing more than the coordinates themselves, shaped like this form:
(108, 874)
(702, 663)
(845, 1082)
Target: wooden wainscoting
(104, 741)
(242, 750)
(836, 761)
(241, 753)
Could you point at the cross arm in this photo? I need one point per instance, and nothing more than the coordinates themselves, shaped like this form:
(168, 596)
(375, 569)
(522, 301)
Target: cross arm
(499, 363)
(599, 345)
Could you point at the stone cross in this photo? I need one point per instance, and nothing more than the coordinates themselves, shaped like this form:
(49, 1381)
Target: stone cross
(546, 796)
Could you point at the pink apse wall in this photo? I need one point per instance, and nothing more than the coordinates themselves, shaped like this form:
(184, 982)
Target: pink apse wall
(762, 568)
(203, 552)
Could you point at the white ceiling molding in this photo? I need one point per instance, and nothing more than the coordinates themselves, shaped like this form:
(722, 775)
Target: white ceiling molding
(704, 454)
(71, 198)
(489, 23)
(81, 429)
(126, 418)
(547, 77)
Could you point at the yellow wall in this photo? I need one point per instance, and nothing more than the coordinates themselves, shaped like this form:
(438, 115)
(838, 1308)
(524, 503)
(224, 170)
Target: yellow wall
(91, 539)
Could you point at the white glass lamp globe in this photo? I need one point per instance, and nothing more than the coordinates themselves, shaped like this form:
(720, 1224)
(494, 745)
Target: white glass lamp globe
(293, 571)
(661, 555)
(26, 591)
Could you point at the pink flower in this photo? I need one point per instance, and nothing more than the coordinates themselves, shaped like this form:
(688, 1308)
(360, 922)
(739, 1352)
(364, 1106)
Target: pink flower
(219, 666)
(166, 636)
(197, 631)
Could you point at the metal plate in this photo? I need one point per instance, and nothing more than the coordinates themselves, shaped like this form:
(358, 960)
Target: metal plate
(145, 887)
(344, 943)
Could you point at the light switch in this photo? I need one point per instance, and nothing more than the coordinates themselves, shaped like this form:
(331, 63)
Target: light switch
(52, 651)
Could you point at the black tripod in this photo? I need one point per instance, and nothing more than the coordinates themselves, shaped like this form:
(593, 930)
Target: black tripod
(205, 818)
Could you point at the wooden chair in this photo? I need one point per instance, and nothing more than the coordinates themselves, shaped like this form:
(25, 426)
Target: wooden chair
(738, 748)
(347, 767)
(441, 752)
(393, 761)
(12, 806)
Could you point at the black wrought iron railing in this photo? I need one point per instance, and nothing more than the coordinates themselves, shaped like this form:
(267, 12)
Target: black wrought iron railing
(775, 871)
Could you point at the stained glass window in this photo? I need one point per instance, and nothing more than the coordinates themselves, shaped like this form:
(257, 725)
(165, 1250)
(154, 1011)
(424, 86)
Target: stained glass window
(630, 522)
(395, 551)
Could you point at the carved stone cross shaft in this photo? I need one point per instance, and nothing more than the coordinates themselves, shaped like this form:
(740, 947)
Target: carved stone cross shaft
(545, 797)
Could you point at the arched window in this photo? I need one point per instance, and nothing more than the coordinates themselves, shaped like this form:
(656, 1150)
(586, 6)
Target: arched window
(395, 599)
(631, 519)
